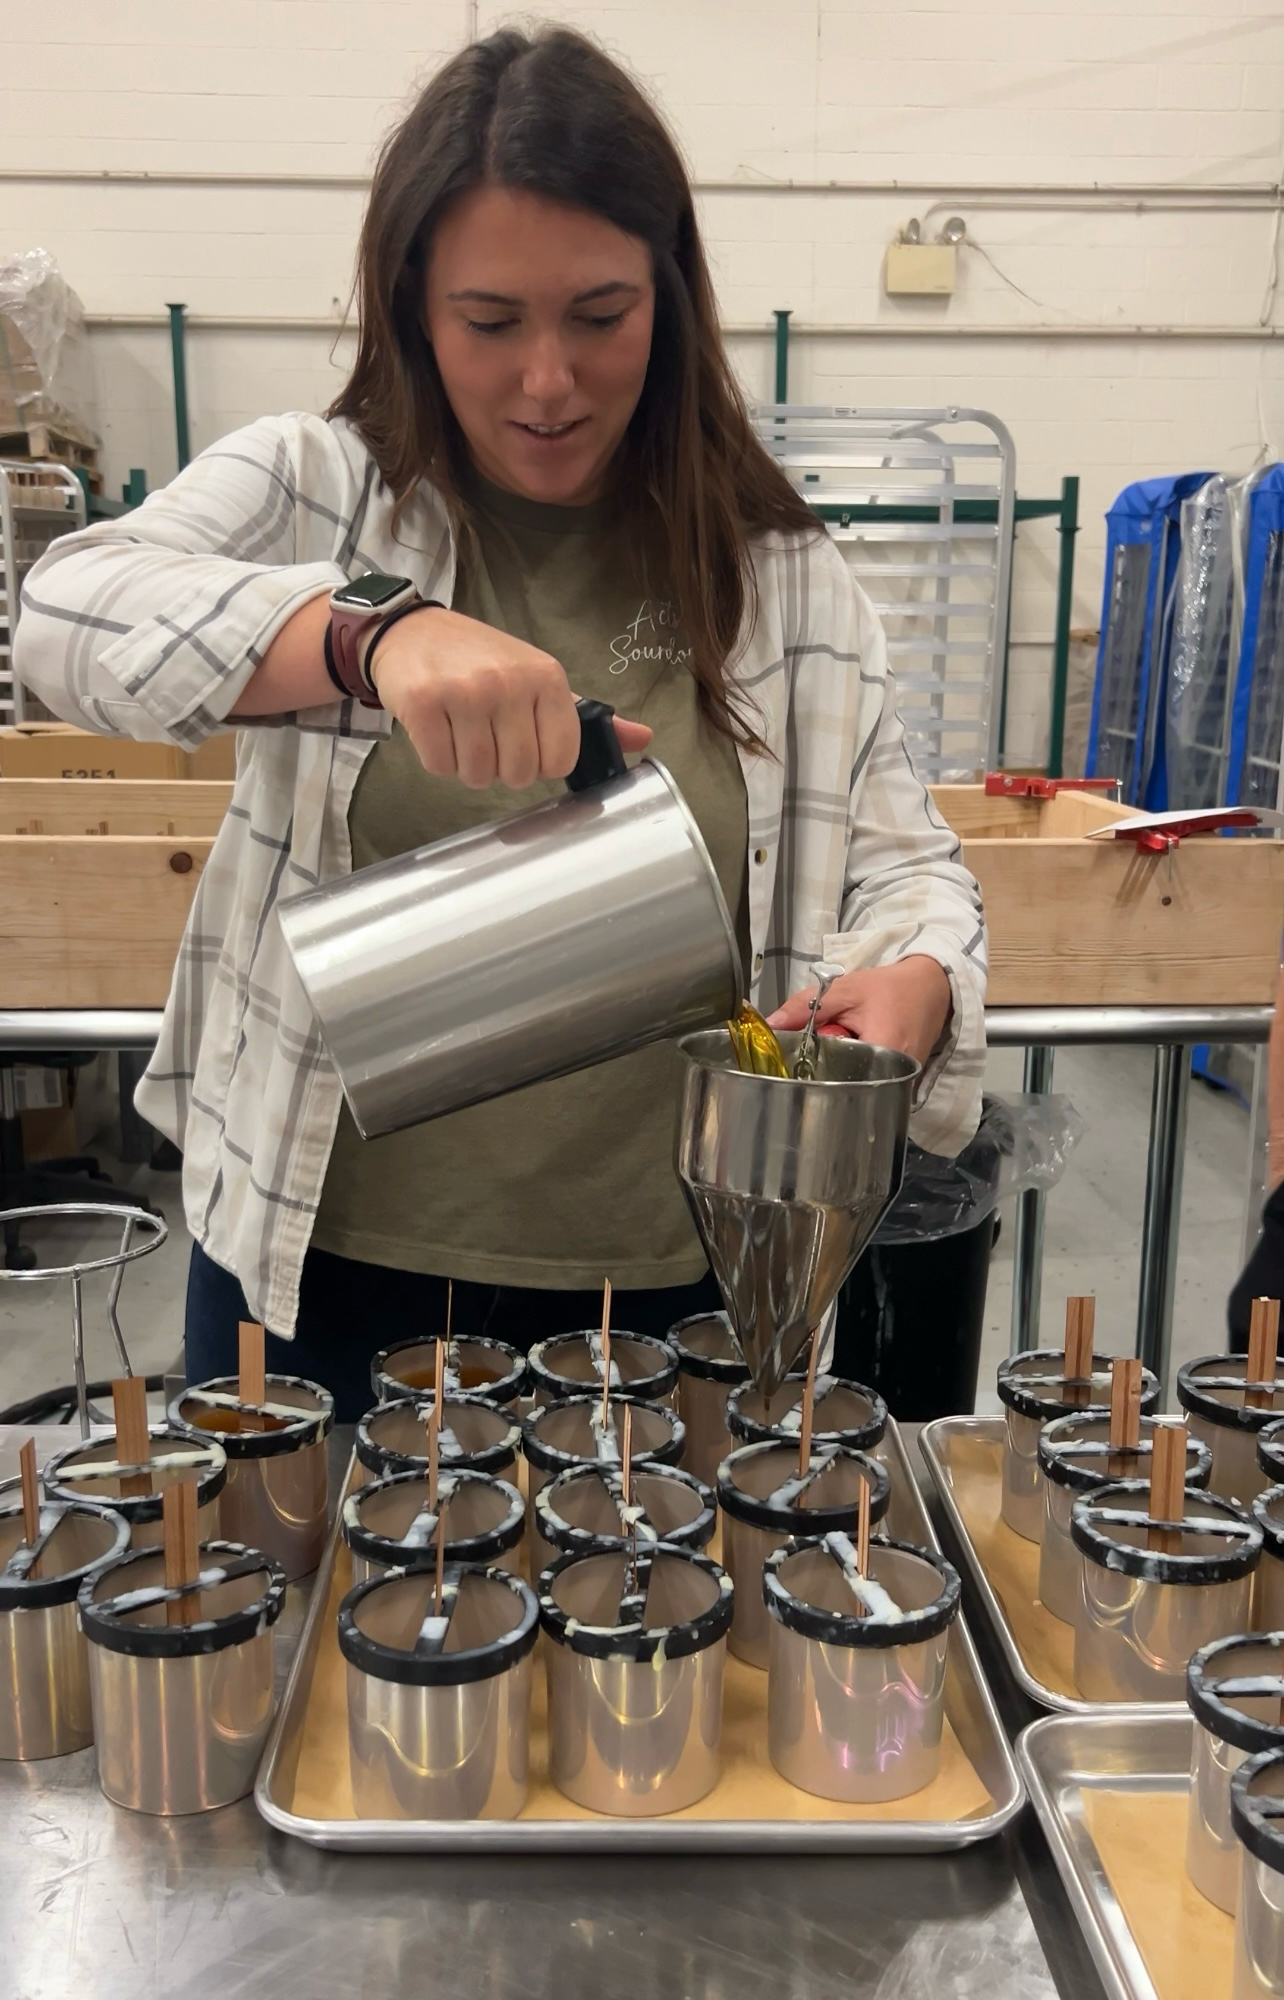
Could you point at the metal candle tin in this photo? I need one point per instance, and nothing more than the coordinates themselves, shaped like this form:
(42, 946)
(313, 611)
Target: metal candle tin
(1234, 1689)
(709, 1368)
(765, 1501)
(556, 1436)
(477, 1435)
(181, 1712)
(1034, 1390)
(276, 1496)
(579, 930)
(1268, 1580)
(44, 1665)
(1075, 1458)
(584, 1509)
(388, 1524)
(473, 1367)
(1213, 1393)
(844, 1413)
(1142, 1612)
(1257, 1816)
(856, 1678)
(569, 1364)
(92, 1471)
(439, 1704)
(635, 1661)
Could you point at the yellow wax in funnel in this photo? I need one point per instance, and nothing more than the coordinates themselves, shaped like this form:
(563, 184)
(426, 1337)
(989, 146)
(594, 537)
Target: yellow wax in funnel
(756, 1047)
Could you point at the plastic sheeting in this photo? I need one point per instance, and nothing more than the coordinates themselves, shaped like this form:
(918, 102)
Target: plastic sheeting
(1022, 1142)
(45, 372)
(1127, 739)
(1257, 721)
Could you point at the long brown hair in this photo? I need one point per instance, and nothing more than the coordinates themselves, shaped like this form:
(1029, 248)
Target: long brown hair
(549, 113)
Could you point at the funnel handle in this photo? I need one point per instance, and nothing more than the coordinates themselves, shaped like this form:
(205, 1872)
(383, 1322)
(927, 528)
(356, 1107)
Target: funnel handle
(601, 757)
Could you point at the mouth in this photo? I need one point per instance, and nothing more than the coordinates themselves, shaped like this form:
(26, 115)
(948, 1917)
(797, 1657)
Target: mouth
(550, 433)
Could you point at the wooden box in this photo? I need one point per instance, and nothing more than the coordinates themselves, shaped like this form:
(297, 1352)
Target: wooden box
(96, 880)
(56, 750)
(1076, 922)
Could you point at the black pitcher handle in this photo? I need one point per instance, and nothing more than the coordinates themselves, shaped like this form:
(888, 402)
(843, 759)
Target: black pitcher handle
(601, 757)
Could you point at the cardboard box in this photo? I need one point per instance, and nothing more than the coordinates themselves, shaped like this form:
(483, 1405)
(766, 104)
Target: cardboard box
(56, 750)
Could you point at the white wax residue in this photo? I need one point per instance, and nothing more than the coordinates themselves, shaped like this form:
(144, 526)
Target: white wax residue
(595, 1349)
(791, 1422)
(877, 1601)
(608, 1449)
(433, 1631)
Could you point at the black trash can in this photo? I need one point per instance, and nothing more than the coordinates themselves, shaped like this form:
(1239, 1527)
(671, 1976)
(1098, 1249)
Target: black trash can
(910, 1322)
(912, 1315)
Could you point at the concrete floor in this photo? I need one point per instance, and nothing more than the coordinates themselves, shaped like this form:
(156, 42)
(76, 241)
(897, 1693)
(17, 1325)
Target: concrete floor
(1093, 1227)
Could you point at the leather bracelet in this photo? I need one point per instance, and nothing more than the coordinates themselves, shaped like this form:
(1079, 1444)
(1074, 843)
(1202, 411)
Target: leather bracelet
(327, 649)
(386, 625)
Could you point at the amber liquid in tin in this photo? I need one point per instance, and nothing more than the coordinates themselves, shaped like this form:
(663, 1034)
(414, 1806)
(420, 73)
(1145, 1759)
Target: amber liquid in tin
(230, 1423)
(468, 1378)
(756, 1047)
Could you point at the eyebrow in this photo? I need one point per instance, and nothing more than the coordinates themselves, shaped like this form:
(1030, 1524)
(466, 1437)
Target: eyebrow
(613, 285)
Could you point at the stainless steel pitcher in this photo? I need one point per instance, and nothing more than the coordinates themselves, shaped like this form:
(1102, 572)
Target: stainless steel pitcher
(577, 931)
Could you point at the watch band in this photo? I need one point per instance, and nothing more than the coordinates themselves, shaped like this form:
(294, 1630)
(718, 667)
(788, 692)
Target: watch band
(386, 625)
(352, 618)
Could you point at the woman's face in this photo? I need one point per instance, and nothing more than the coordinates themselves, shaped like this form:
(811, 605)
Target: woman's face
(540, 318)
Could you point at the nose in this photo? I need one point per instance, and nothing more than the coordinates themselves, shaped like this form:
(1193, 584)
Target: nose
(547, 376)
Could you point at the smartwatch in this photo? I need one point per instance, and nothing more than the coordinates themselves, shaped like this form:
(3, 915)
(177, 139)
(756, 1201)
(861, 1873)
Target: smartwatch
(355, 608)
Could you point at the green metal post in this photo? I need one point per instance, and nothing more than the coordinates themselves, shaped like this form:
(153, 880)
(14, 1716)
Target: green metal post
(176, 342)
(134, 491)
(1068, 528)
(782, 357)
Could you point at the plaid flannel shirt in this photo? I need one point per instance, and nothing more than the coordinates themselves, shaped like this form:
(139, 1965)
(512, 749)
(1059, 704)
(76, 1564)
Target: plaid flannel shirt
(151, 625)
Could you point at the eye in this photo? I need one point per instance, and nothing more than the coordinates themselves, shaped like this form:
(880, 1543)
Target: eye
(604, 320)
(489, 325)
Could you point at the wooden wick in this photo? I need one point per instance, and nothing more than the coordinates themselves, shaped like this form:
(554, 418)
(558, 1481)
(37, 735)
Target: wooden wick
(862, 1531)
(1167, 1483)
(1263, 1347)
(606, 1355)
(1081, 1320)
(808, 1408)
(182, 1551)
(1125, 1404)
(30, 1501)
(133, 1446)
(251, 1384)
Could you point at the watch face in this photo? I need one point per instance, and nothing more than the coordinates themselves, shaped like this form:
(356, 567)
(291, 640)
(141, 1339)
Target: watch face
(371, 593)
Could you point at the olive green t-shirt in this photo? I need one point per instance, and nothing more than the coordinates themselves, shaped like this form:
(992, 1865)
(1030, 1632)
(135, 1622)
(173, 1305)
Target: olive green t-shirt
(568, 1182)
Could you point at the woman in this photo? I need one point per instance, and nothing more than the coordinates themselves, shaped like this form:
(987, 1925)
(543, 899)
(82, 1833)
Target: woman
(542, 434)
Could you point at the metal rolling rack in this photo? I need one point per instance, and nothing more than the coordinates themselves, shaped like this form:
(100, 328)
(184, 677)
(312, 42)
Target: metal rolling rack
(39, 500)
(922, 504)
(1170, 1031)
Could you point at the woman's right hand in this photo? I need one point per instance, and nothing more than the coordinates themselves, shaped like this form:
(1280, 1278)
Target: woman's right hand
(480, 705)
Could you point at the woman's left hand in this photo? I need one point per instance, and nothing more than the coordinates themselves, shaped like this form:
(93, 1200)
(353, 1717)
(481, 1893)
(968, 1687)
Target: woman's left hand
(902, 1006)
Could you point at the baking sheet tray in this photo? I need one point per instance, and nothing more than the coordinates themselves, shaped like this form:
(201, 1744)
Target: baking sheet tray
(1111, 1791)
(964, 1456)
(303, 1785)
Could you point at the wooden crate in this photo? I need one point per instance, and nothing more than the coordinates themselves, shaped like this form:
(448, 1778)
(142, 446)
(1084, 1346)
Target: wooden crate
(96, 881)
(97, 878)
(1076, 922)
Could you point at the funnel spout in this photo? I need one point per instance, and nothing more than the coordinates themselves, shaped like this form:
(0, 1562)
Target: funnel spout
(788, 1180)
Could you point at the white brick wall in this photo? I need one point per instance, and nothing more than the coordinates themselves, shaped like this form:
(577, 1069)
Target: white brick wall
(1012, 92)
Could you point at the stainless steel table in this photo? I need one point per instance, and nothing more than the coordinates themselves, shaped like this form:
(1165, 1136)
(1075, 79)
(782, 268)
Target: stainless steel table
(1038, 1030)
(107, 1905)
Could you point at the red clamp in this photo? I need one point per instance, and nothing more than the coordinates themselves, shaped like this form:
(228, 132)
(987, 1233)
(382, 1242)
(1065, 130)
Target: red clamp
(1022, 785)
(1149, 838)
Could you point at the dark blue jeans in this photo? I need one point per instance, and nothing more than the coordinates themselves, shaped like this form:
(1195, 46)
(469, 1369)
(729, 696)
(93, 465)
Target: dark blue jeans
(348, 1311)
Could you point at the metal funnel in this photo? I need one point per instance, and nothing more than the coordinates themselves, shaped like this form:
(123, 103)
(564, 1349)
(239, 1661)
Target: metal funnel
(788, 1181)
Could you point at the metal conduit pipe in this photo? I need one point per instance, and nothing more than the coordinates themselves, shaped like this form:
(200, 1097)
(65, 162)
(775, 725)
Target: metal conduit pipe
(1254, 194)
(869, 330)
